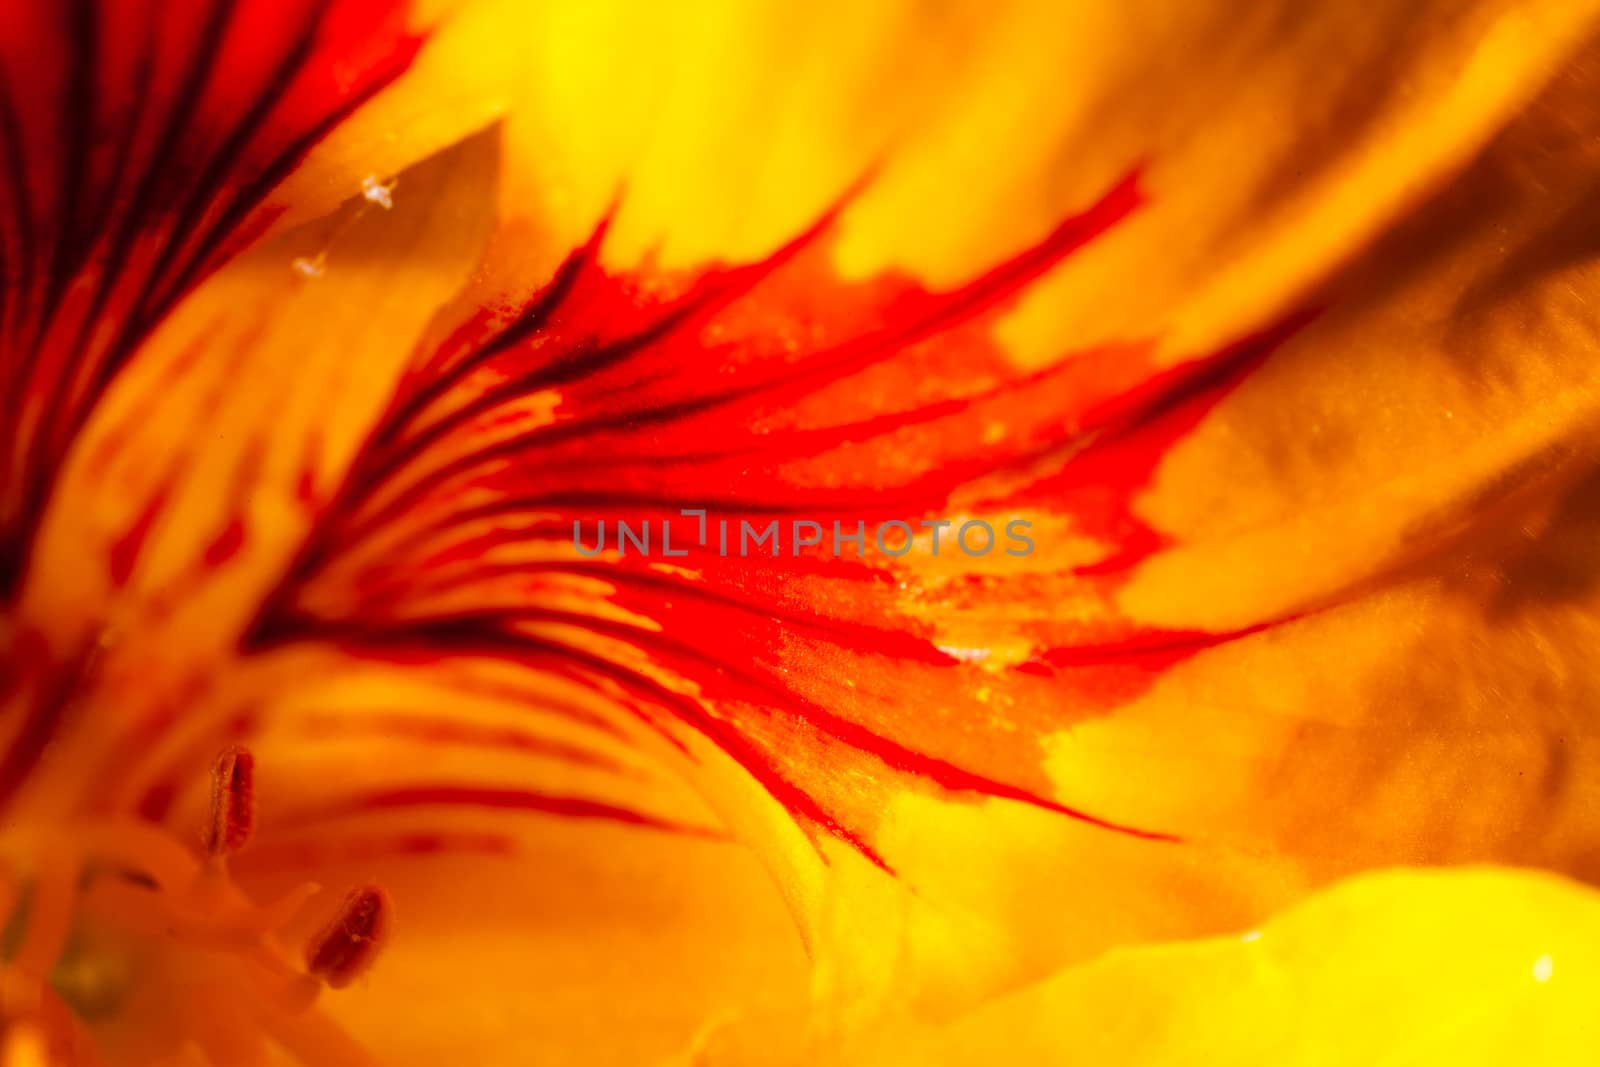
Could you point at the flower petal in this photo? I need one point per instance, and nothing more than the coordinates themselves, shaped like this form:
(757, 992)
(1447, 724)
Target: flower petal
(602, 945)
(864, 719)
(1478, 966)
(960, 766)
(1275, 144)
(1381, 969)
(1397, 515)
(198, 475)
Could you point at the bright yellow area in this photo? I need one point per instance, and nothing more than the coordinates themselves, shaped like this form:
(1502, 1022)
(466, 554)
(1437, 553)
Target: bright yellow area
(1472, 967)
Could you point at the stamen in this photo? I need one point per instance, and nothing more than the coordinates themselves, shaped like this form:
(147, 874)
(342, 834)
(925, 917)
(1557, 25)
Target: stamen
(49, 915)
(350, 943)
(233, 803)
(107, 904)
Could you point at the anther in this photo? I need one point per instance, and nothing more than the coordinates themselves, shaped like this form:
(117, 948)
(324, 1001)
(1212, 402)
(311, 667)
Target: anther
(347, 947)
(233, 803)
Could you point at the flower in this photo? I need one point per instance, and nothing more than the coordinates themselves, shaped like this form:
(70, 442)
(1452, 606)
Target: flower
(1240, 357)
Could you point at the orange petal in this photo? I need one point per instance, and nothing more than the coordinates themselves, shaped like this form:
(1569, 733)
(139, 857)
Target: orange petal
(604, 945)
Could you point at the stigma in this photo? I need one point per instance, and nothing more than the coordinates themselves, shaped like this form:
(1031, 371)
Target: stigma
(124, 944)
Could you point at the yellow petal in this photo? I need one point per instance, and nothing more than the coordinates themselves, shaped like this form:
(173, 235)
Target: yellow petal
(1447, 388)
(1273, 144)
(1280, 142)
(1480, 966)
(1403, 498)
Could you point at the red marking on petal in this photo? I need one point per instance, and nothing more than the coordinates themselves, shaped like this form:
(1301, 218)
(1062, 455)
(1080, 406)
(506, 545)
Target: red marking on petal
(766, 391)
(42, 687)
(329, 847)
(499, 799)
(124, 553)
(156, 802)
(1142, 426)
(226, 544)
(435, 732)
(138, 141)
(305, 489)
